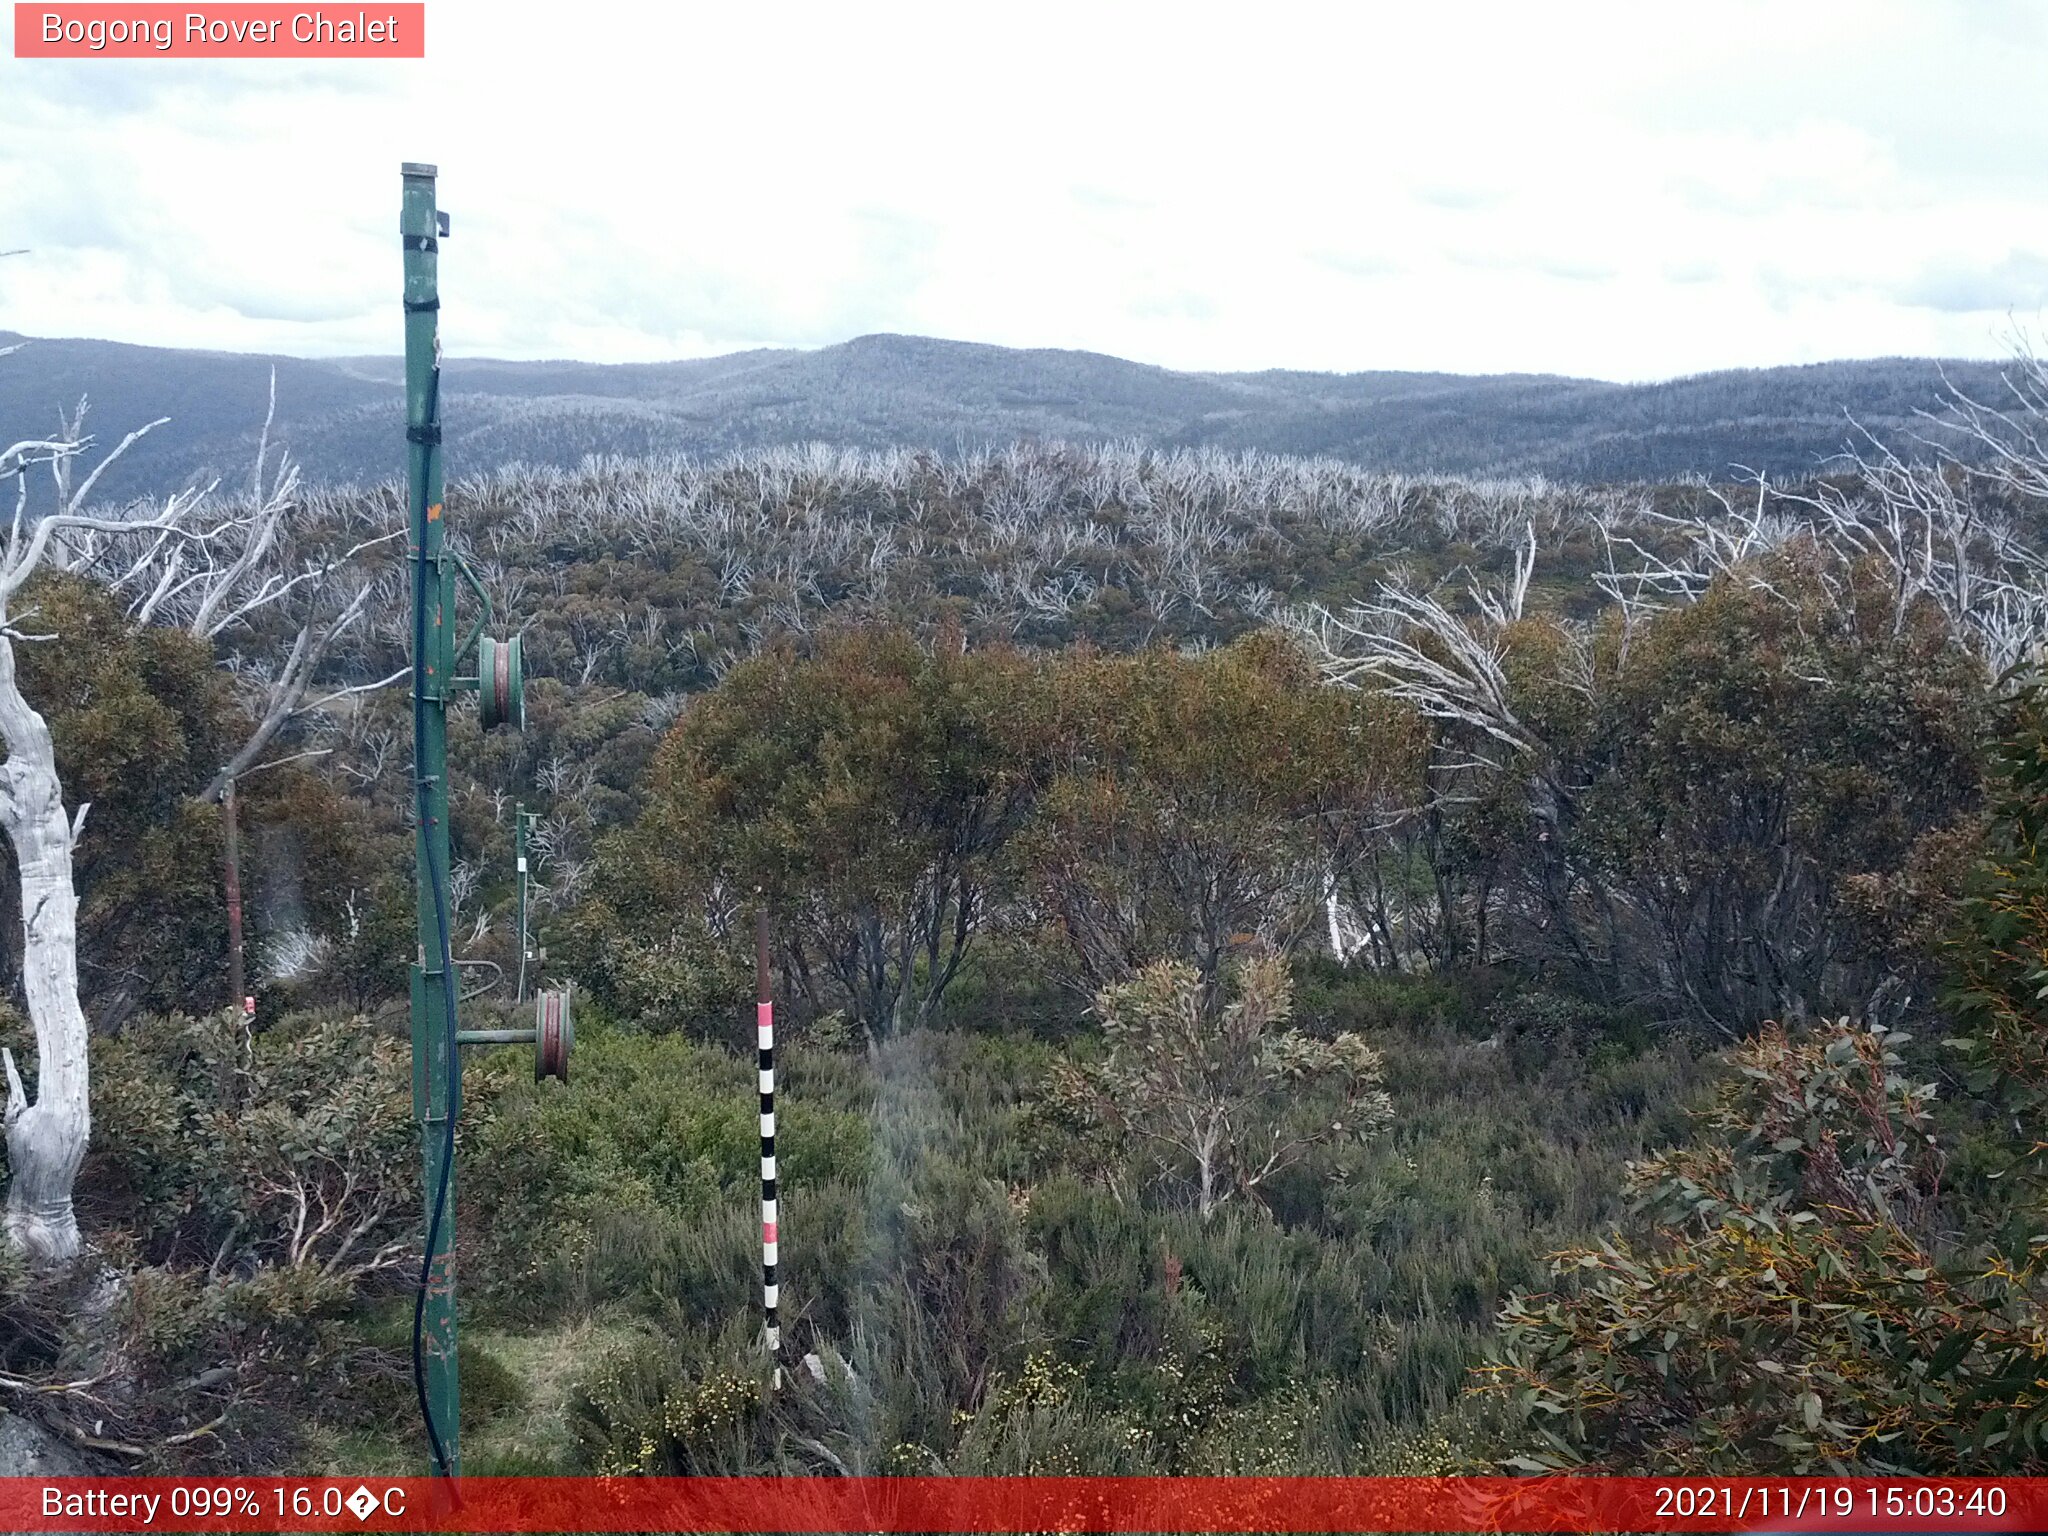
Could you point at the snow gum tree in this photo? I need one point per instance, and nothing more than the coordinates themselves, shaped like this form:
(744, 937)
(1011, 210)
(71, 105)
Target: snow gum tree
(46, 1138)
(206, 567)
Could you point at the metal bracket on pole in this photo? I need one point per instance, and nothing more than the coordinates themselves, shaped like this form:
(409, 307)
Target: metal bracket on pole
(552, 1036)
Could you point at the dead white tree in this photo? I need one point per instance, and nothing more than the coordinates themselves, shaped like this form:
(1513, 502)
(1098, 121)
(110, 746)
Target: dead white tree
(46, 1138)
(218, 589)
(185, 560)
(1412, 646)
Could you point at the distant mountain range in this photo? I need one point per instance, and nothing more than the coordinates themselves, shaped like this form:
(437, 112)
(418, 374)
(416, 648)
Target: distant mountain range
(341, 416)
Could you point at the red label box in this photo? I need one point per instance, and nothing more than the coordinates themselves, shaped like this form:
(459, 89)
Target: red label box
(236, 31)
(1000, 1506)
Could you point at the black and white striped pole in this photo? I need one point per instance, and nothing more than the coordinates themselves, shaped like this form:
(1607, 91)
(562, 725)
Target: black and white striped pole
(764, 1031)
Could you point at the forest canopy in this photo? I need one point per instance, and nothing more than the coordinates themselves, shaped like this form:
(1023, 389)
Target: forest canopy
(1234, 919)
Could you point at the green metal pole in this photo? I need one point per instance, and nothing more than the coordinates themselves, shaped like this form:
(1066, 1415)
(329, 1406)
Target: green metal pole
(435, 1067)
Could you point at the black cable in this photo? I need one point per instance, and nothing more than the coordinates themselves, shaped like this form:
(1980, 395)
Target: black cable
(437, 882)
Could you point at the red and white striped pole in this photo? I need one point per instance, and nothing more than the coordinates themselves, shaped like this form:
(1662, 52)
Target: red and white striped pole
(764, 1029)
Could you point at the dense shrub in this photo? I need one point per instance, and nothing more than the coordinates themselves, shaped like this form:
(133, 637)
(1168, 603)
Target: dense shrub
(1797, 1298)
(689, 977)
(1330, 996)
(958, 841)
(1760, 750)
(865, 792)
(1212, 1092)
(655, 1137)
(295, 1146)
(1193, 804)
(247, 1193)
(1829, 1277)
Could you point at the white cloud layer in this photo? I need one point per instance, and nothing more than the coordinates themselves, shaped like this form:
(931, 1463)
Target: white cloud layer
(1622, 191)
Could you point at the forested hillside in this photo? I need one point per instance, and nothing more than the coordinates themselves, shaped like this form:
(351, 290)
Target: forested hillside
(886, 392)
(1238, 918)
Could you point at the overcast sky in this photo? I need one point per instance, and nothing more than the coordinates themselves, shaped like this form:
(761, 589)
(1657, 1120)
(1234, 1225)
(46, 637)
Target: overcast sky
(1626, 192)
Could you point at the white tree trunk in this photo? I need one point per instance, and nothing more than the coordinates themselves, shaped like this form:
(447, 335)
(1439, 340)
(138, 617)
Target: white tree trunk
(1205, 1161)
(46, 1140)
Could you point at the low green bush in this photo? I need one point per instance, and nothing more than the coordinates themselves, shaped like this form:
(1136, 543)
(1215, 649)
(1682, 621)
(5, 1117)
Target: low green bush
(1330, 997)
(594, 1188)
(216, 1145)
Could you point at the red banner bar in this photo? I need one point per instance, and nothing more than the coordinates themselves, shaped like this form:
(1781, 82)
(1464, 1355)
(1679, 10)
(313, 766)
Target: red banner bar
(378, 30)
(1019, 1504)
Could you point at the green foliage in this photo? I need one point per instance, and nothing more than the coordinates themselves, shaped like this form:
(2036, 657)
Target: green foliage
(1796, 1300)
(656, 1137)
(891, 799)
(1014, 983)
(247, 1192)
(1754, 756)
(1820, 1282)
(864, 792)
(373, 942)
(139, 720)
(1746, 804)
(642, 1414)
(1537, 1025)
(962, 1263)
(292, 1148)
(1755, 802)
(1442, 1448)
(1330, 996)
(1999, 949)
(489, 1388)
(1193, 802)
(316, 860)
(1218, 1094)
(32, 1316)
(690, 977)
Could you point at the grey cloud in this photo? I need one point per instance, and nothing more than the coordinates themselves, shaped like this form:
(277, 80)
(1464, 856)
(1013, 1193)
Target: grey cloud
(1562, 267)
(1576, 271)
(896, 256)
(99, 89)
(1940, 103)
(290, 306)
(1692, 271)
(121, 176)
(1359, 263)
(49, 225)
(1107, 200)
(1460, 199)
(1763, 195)
(59, 210)
(1178, 305)
(583, 279)
(2020, 281)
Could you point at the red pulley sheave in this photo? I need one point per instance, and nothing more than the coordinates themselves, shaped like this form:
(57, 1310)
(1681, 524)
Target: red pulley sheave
(554, 1032)
(501, 683)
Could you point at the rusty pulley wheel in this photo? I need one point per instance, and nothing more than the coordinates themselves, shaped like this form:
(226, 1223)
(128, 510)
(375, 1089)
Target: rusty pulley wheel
(500, 683)
(554, 1032)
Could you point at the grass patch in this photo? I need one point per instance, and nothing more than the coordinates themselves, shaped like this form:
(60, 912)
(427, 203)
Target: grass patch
(532, 1436)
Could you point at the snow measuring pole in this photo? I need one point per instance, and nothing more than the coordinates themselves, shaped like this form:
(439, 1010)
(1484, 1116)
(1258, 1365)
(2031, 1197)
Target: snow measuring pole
(522, 824)
(437, 567)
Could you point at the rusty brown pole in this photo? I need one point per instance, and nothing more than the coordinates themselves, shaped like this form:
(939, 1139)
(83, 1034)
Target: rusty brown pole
(237, 993)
